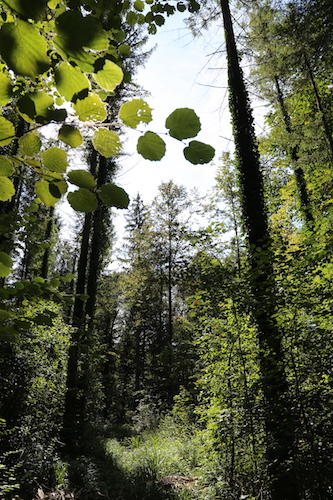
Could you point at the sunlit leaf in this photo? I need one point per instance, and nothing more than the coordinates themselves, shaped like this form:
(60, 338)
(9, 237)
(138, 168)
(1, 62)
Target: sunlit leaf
(106, 142)
(131, 18)
(7, 131)
(82, 178)
(199, 153)
(139, 5)
(6, 166)
(110, 76)
(23, 48)
(7, 189)
(42, 189)
(70, 80)
(55, 159)
(6, 264)
(151, 146)
(90, 109)
(113, 196)
(30, 144)
(5, 89)
(83, 200)
(134, 112)
(70, 135)
(183, 123)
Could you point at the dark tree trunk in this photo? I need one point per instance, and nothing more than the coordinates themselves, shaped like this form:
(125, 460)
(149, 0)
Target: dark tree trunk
(46, 256)
(279, 421)
(299, 173)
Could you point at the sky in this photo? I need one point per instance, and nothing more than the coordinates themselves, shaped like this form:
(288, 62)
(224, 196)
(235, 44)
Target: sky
(181, 73)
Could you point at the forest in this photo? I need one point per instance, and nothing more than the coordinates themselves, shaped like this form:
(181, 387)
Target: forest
(201, 367)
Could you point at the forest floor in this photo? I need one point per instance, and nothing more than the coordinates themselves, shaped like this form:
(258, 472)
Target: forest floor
(168, 463)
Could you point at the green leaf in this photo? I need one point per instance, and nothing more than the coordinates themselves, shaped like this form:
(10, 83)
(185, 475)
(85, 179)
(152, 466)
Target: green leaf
(199, 153)
(131, 18)
(90, 109)
(39, 107)
(32, 9)
(134, 112)
(6, 264)
(24, 49)
(30, 144)
(82, 178)
(151, 146)
(42, 190)
(70, 135)
(181, 6)
(5, 89)
(139, 5)
(159, 20)
(5, 314)
(110, 76)
(82, 200)
(7, 131)
(75, 33)
(6, 166)
(113, 196)
(55, 159)
(70, 80)
(183, 123)
(124, 50)
(7, 189)
(106, 142)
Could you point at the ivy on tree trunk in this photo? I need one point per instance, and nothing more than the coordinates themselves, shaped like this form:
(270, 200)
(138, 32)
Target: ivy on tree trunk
(279, 421)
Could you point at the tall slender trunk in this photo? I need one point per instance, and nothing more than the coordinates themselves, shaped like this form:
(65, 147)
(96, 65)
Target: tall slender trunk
(328, 132)
(293, 151)
(279, 421)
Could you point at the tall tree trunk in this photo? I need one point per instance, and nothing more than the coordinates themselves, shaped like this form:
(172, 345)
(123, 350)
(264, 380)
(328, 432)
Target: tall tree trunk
(279, 421)
(46, 255)
(299, 173)
(328, 133)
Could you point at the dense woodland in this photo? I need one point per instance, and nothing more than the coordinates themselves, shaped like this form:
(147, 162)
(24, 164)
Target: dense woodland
(201, 368)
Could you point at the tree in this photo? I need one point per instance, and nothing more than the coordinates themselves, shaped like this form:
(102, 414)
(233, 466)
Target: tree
(279, 420)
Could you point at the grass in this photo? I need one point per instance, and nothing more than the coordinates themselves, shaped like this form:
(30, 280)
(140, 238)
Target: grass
(155, 462)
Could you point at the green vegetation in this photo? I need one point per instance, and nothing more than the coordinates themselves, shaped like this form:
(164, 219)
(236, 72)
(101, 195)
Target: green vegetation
(202, 367)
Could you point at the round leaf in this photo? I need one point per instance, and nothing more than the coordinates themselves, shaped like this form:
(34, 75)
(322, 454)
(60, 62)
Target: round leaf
(6, 166)
(6, 264)
(113, 196)
(82, 178)
(42, 189)
(83, 200)
(151, 146)
(106, 142)
(30, 144)
(183, 123)
(199, 153)
(110, 76)
(7, 189)
(55, 159)
(5, 89)
(134, 112)
(23, 48)
(90, 109)
(7, 131)
(70, 80)
(70, 135)
(139, 5)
